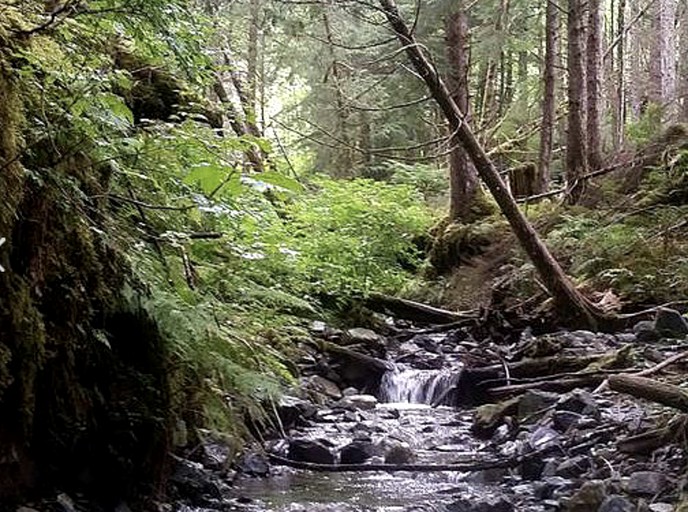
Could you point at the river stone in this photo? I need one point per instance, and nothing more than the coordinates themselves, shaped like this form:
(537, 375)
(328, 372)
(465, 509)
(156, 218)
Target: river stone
(254, 464)
(670, 323)
(573, 467)
(350, 392)
(306, 450)
(291, 409)
(564, 420)
(580, 402)
(356, 452)
(616, 504)
(361, 402)
(645, 332)
(489, 503)
(325, 386)
(646, 483)
(588, 498)
(362, 336)
(534, 404)
(399, 453)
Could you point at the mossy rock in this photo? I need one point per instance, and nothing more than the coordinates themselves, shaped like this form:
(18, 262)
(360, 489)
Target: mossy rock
(456, 244)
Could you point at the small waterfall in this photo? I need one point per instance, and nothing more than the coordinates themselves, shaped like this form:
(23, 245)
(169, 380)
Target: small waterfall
(407, 385)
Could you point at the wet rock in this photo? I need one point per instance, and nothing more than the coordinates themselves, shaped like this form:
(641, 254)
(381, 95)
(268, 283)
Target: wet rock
(215, 455)
(65, 503)
(543, 437)
(350, 392)
(580, 402)
(361, 402)
(291, 409)
(487, 418)
(589, 497)
(549, 486)
(670, 323)
(564, 420)
(254, 464)
(645, 332)
(26, 509)
(325, 387)
(306, 450)
(397, 452)
(357, 452)
(362, 336)
(573, 467)
(616, 504)
(534, 404)
(192, 480)
(487, 503)
(646, 483)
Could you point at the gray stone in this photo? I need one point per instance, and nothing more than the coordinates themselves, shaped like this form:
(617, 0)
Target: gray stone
(564, 420)
(534, 404)
(646, 483)
(645, 332)
(616, 504)
(580, 402)
(215, 455)
(254, 464)
(670, 323)
(362, 336)
(573, 467)
(26, 509)
(589, 497)
(350, 392)
(399, 453)
(325, 386)
(489, 503)
(357, 452)
(306, 450)
(360, 402)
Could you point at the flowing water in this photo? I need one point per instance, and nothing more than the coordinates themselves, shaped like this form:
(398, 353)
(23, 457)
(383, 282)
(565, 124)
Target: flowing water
(408, 385)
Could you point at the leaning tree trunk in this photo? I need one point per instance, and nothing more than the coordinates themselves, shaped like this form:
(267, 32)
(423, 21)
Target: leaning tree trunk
(463, 179)
(576, 154)
(571, 304)
(594, 70)
(549, 97)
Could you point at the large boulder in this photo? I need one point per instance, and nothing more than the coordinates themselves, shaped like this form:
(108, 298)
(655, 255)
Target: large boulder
(306, 450)
(357, 452)
(670, 323)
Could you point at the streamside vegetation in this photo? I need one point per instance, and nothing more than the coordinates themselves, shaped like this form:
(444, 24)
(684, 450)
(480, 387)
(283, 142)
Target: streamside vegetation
(186, 186)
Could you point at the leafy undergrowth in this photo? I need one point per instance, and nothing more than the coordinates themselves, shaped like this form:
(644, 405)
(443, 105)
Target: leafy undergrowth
(629, 245)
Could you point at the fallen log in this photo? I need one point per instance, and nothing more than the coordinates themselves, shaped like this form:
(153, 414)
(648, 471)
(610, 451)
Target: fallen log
(415, 311)
(649, 389)
(556, 386)
(370, 361)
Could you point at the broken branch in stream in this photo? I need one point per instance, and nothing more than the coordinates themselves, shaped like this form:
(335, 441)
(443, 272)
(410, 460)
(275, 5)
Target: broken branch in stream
(416, 311)
(649, 389)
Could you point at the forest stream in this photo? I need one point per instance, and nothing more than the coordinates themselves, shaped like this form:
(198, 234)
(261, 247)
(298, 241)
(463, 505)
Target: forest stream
(408, 446)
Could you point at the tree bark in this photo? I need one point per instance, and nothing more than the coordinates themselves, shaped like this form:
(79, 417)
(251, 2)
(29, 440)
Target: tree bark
(620, 96)
(549, 97)
(463, 179)
(576, 153)
(593, 76)
(664, 58)
(572, 305)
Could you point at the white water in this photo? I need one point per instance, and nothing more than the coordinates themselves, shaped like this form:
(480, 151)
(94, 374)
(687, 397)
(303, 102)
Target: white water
(407, 385)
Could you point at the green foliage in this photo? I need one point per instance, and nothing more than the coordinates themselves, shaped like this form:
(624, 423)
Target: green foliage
(352, 236)
(639, 256)
(646, 128)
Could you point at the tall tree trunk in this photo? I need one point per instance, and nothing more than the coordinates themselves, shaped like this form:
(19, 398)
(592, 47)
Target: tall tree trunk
(342, 167)
(683, 67)
(576, 153)
(572, 305)
(463, 179)
(252, 60)
(619, 125)
(549, 96)
(593, 76)
(664, 58)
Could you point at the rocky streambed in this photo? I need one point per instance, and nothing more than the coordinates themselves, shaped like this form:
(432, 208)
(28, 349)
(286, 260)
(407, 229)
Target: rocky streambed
(434, 420)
